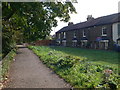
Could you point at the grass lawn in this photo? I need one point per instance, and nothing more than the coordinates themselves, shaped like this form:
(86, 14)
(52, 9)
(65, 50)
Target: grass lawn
(98, 56)
(82, 68)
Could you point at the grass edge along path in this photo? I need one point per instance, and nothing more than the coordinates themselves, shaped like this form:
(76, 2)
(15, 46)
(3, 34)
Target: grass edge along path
(78, 71)
(6, 62)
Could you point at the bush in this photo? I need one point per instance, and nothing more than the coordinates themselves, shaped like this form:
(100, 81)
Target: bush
(78, 71)
(6, 62)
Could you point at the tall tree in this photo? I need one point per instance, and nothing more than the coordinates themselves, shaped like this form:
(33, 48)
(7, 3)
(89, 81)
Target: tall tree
(32, 20)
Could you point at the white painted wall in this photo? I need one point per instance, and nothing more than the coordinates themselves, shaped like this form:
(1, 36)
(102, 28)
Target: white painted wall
(115, 31)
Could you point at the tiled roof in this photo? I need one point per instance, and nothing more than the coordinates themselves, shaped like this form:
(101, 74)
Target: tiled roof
(94, 22)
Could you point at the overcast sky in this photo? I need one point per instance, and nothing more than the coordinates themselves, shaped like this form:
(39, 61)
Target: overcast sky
(96, 8)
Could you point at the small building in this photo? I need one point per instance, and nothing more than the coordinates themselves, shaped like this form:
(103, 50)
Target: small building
(97, 33)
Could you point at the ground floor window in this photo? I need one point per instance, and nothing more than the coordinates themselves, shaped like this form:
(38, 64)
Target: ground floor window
(93, 45)
(64, 42)
(74, 43)
(58, 42)
(96, 45)
(84, 43)
(118, 42)
(103, 44)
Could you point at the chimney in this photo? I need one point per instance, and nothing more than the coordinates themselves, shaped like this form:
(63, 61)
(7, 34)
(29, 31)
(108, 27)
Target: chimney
(70, 23)
(89, 17)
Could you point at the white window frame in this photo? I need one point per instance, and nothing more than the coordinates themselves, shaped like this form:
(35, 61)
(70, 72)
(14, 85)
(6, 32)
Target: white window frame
(84, 33)
(118, 42)
(59, 42)
(106, 45)
(74, 40)
(64, 34)
(64, 42)
(102, 31)
(74, 34)
(104, 41)
(59, 35)
(74, 43)
(83, 43)
(118, 30)
(84, 40)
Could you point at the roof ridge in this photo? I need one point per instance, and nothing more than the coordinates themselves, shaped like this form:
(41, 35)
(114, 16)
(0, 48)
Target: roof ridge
(102, 20)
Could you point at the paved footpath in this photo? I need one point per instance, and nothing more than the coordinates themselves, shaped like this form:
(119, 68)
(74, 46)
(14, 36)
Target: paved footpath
(27, 71)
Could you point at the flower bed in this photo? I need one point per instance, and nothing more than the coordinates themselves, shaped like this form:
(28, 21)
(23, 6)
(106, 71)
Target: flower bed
(78, 71)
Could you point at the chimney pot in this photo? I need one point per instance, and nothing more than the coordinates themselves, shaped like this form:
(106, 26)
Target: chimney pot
(70, 23)
(89, 17)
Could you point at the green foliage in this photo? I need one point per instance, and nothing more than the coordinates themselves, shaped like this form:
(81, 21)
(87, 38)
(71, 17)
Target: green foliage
(98, 56)
(78, 70)
(31, 21)
(36, 19)
(6, 62)
(8, 39)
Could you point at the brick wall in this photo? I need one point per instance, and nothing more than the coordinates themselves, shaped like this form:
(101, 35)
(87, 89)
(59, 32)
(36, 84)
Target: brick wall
(91, 34)
(43, 42)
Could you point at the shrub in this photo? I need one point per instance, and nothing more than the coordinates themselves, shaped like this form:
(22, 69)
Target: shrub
(6, 62)
(78, 71)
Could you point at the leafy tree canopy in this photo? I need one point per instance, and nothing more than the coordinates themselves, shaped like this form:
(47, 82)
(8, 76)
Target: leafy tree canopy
(33, 20)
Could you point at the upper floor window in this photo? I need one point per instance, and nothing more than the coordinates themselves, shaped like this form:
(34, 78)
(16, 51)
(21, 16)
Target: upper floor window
(64, 35)
(84, 33)
(104, 31)
(74, 34)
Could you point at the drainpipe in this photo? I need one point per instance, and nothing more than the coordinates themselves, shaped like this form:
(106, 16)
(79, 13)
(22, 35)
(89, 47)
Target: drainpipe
(0, 56)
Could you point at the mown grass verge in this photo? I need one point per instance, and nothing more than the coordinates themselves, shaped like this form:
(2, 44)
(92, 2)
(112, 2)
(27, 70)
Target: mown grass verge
(6, 63)
(96, 56)
(78, 70)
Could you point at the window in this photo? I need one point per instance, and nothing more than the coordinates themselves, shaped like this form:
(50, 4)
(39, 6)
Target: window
(74, 43)
(104, 45)
(59, 35)
(64, 42)
(74, 34)
(83, 44)
(119, 30)
(118, 42)
(104, 31)
(84, 34)
(64, 35)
